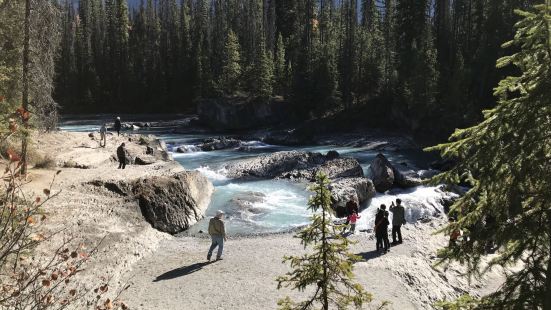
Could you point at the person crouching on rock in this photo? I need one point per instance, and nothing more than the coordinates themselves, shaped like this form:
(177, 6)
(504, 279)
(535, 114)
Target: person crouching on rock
(217, 233)
(121, 155)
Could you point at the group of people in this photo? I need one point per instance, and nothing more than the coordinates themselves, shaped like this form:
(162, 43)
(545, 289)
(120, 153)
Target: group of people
(121, 150)
(217, 230)
(381, 223)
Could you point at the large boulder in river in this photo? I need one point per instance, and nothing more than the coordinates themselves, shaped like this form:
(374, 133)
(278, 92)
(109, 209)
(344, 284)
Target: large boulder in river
(222, 143)
(385, 175)
(173, 203)
(294, 165)
(382, 173)
(347, 189)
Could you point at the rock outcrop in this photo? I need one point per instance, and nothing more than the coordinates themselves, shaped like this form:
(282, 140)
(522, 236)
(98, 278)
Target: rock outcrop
(294, 165)
(147, 151)
(385, 175)
(170, 204)
(382, 173)
(173, 203)
(357, 189)
(222, 143)
(231, 113)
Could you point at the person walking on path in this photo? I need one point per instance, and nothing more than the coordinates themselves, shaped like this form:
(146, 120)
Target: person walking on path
(118, 125)
(352, 218)
(398, 219)
(121, 155)
(217, 233)
(103, 135)
(381, 229)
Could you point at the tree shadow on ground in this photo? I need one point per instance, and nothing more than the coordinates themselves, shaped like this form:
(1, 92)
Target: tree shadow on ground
(366, 256)
(181, 271)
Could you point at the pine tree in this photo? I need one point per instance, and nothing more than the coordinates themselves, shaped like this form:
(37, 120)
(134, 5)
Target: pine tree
(231, 69)
(507, 159)
(264, 72)
(329, 267)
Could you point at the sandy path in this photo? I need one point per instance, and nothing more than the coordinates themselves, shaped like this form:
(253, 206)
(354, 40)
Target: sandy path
(178, 276)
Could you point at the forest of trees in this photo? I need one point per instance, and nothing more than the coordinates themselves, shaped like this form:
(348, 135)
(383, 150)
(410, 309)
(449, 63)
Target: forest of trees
(425, 64)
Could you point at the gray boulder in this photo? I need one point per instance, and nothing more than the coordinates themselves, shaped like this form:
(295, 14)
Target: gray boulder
(187, 149)
(173, 203)
(219, 144)
(144, 160)
(382, 173)
(385, 175)
(357, 189)
(294, 165)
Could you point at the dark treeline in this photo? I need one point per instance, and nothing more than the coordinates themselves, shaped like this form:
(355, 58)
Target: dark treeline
(423, 64)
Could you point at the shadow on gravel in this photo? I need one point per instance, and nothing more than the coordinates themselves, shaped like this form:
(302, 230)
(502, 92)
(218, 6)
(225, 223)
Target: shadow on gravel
(182, 271)
(368, 255)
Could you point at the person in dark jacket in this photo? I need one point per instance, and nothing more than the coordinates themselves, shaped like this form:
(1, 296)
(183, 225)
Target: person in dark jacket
(121, 155)
(398, 219)
(381, 229)
(118, 125)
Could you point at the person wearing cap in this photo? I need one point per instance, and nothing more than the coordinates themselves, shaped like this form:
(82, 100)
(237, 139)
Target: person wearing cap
(217, 233)
(118, 125)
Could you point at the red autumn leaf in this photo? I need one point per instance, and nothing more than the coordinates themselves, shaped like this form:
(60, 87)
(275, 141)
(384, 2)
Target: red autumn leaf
(55, 276)
(20, 111)
(13, 156)
(2, 98)
(30, 220)
(25, 116)
(37, 200)
(46, 192)
(46, 283)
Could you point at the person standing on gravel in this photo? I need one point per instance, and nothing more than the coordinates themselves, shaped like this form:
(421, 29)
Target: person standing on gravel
(381, 229)
(118, 125)
(121, 155)
(398, 219)
(217, 232)
(103, 136)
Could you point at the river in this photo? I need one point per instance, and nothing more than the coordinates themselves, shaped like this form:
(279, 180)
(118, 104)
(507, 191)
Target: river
(278, 205)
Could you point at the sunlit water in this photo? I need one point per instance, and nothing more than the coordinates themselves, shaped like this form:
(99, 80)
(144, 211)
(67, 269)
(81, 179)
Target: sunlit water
(265, 206)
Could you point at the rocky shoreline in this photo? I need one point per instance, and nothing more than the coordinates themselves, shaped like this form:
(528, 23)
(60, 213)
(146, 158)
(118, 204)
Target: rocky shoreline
(98, 202)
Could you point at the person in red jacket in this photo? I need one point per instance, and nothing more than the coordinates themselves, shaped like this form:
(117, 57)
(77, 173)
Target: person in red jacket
(352, 218)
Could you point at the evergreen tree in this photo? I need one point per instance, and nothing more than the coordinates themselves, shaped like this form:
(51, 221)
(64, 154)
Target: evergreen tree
(329, 267)
(231, 70)
(506, 158)
(264, 72)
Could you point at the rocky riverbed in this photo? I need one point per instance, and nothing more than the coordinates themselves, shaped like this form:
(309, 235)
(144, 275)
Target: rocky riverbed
(97, 201)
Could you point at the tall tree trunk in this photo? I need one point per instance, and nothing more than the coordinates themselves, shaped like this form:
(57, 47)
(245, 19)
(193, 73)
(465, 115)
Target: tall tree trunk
(325, 280)
(547, 291)
(26, 52)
